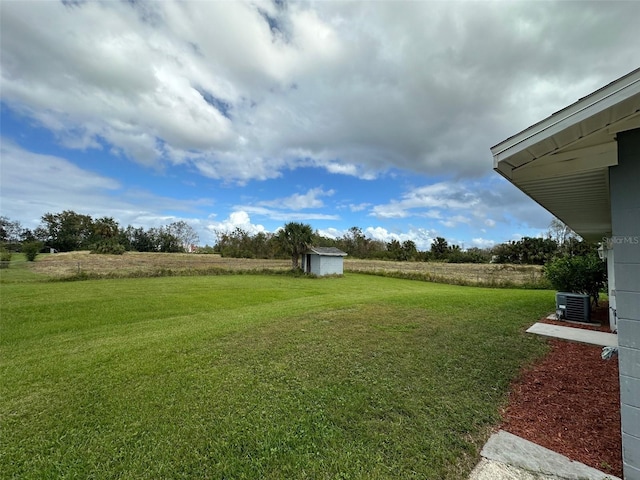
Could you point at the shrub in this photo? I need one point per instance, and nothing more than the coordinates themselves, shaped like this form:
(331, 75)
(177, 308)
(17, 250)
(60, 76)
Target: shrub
(109, 247)
(31, 250)
(584, 274)
(5, 257)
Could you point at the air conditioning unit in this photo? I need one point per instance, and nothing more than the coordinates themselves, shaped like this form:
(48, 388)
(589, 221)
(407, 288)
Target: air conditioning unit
(574, 307)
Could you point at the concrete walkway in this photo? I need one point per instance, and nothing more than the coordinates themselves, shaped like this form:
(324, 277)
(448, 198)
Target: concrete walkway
(580, 335)
(509, 457)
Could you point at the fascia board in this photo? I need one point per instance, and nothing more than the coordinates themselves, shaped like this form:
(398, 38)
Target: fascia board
(616, 92)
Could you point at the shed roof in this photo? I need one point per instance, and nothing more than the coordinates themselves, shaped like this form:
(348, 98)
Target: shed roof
(562, 162)
(327, 251)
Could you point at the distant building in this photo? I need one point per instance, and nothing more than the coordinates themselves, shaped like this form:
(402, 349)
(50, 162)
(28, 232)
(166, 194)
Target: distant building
(323, 261)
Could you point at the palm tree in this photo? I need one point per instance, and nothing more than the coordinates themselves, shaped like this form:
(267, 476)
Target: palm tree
(295, 238)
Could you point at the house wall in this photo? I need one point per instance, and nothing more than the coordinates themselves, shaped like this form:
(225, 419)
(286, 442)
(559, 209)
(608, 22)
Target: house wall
(625, 218)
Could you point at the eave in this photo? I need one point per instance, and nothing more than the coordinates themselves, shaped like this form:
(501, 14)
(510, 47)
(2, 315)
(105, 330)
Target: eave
(563, 161)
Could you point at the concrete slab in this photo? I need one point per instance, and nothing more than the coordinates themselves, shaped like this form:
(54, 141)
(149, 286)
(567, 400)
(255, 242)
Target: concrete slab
(581, 335)
(492, 470)
(507, 454)
(553, 316)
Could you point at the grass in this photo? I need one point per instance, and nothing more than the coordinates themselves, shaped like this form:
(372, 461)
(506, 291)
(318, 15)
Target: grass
(83, 265)
(471, 274)
(255, 376)
(19, 270)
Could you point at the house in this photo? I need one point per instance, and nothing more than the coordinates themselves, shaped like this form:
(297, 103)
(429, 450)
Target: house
(583, 165)
(323, 261)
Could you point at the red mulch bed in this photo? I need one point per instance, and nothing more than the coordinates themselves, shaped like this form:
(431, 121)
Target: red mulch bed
(569, 402)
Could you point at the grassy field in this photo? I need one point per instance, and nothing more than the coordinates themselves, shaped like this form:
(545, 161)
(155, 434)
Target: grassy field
(254, 376)
(146, 264)
(483, 274)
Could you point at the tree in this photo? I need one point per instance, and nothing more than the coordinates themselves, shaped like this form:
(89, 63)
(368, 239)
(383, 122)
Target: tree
(575, 246)
(105, 228)
(138, 239)
(67, 231)
(10, 231)
(536, 250)
(184, 233)
(235, 244)
(409, 250)
(106, 237)
(261, 245)
(394, 247)
(439, 248)
(294, 239)
(27, 236)
(355, 243)
(165, 241)
(528, 250)
(560, 232)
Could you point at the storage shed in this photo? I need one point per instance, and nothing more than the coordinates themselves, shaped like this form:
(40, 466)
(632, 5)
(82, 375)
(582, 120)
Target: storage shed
(323, 261)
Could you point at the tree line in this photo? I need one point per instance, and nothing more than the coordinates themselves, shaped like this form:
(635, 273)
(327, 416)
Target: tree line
(241, 244)
(559, 242)
(570, 264)
(68, 231)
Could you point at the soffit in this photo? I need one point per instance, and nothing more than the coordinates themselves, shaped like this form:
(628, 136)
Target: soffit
(563, 161)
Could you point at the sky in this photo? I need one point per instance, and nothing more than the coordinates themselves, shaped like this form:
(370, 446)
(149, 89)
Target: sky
(252, 114)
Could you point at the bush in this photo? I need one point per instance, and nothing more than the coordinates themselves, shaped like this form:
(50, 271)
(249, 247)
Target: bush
(584, 274)
(108, 247)
(5, 257)
(31, 250)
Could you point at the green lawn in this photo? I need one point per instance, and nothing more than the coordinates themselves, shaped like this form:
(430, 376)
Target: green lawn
(255, 376)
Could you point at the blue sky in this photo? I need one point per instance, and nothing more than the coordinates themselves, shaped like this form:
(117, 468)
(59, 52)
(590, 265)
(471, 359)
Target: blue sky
(252, 114)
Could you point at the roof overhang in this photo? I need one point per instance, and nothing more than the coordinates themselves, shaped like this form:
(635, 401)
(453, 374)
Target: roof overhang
(327, 252)
(563, 161)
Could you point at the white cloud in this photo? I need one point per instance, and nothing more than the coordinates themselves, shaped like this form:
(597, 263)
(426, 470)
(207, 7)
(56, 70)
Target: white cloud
(430, 200)
(33, 184)
(285, 216)
(343, 169)
(355, 88)
(477, 203)
(455, 221)
(331, 232)
(54, 184)
(237, 219)
(297, 201)
(394, 209)
(482, 242)
(244, 91)
(359, 207)
(420, 236)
